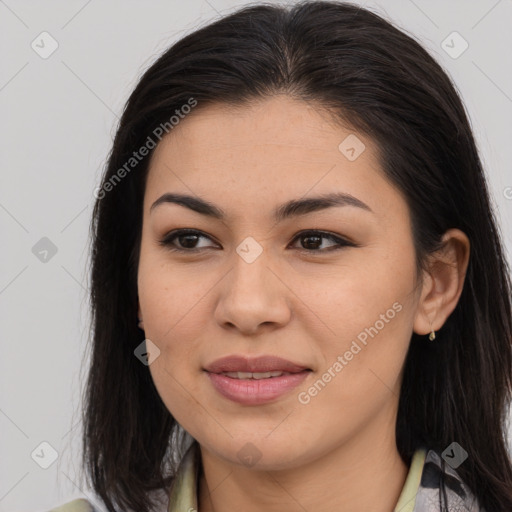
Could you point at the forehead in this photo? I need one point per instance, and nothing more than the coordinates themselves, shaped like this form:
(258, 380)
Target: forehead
(278, 121)
(278, 147)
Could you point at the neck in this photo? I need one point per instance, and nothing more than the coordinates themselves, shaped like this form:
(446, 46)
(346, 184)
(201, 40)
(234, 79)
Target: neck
(366, 474)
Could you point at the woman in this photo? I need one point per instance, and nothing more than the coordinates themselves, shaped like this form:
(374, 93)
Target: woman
(300, 295)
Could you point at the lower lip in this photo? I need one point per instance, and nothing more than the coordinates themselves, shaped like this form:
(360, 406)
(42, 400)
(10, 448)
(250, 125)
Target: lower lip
(256, 391)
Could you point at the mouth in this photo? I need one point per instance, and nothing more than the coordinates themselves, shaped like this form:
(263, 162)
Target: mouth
(255, 375)
(261, 367)
(256, 391)
(255, 381)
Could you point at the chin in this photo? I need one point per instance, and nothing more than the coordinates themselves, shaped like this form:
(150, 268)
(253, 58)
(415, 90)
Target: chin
(263, 453)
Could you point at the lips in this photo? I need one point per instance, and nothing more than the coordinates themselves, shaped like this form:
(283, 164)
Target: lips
(258, 365)
(255, 375)
(255, 381)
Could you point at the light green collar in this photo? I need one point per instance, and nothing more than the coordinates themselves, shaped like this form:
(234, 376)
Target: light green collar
(183, 494)
(407, 498)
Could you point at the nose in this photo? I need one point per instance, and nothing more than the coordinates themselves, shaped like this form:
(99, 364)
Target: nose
(252, 297)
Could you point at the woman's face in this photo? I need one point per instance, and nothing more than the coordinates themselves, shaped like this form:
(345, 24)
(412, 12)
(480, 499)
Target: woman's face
(251, 285)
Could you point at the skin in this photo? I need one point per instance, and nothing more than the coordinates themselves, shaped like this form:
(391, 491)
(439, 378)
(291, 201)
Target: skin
(337, 452)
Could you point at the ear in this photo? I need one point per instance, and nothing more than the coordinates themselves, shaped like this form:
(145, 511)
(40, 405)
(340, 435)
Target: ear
(443, 282)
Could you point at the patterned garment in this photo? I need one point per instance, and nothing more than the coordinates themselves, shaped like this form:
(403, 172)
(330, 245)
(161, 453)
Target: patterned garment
(460, 498)
(421, 491)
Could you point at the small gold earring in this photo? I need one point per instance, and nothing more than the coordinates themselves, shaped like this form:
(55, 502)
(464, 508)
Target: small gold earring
(432, 335)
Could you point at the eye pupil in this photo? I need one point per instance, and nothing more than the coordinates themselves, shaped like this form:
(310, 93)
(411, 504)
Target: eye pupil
(316, 239)
(189, 236)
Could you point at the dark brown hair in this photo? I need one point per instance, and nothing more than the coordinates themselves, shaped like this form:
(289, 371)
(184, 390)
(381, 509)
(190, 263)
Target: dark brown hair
(382, 82)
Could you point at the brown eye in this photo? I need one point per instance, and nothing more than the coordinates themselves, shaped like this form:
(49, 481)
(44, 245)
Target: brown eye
(312, 241)
(186, 238)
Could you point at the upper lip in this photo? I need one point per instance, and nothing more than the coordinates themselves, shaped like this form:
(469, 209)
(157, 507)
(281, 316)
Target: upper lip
(258, 364)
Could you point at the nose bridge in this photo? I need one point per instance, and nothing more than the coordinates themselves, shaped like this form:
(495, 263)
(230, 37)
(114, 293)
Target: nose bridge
(252, 294)
(250, 268)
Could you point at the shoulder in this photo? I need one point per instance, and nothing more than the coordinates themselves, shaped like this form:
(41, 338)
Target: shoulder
(78, 505)
(159, 498)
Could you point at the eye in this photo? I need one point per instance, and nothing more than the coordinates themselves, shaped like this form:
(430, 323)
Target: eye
(188, 239)
(314, 238)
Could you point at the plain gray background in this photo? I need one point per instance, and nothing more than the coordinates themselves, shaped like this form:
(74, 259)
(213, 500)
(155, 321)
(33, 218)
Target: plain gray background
(58, 118)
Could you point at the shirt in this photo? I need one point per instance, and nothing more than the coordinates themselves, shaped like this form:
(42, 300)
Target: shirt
(420, 492)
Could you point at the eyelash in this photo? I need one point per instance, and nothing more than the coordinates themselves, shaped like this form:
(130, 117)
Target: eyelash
(341, 243)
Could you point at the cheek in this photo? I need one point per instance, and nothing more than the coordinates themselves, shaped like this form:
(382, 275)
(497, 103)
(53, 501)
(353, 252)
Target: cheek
(176, 390)
(170, 297)
(171, 308)
(362, 369)
(369, 309)
(353, 297)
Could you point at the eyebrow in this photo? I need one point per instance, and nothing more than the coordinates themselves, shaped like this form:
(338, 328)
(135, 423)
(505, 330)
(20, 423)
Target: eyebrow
(292, 208)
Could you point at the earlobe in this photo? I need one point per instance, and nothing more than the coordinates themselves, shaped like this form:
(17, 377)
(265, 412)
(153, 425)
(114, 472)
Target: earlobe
(443, 284)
